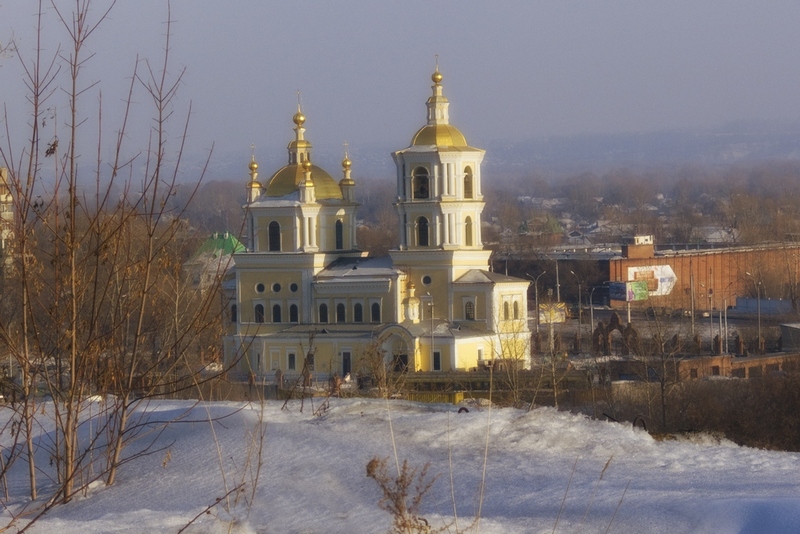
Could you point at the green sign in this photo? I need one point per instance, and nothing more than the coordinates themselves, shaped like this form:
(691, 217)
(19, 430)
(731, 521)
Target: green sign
(639, 289)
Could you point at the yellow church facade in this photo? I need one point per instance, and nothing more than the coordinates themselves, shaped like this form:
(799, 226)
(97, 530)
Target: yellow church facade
(303, 292)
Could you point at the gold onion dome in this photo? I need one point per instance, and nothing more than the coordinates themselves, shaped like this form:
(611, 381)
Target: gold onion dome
(443, 135)
(438, 132)
(346, 163)
(253, 164)
(287, 179)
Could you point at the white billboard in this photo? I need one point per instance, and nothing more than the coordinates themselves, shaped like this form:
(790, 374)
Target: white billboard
(660, 279)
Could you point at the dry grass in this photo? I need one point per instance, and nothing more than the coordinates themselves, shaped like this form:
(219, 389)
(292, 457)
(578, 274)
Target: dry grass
(403, 495)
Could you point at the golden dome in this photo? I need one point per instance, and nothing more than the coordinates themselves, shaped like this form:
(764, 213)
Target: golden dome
(436, 76)
(299, 118)
(306, 165)
(253, 164)
(299, 143)
(439, 135)
(288, 178)
(346, 163)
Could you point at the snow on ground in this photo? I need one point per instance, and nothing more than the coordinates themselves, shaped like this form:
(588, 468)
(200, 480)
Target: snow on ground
(314, 474)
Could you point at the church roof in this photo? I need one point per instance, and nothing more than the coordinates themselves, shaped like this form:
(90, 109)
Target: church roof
(219, 244)
(352, 268)
(479, 276)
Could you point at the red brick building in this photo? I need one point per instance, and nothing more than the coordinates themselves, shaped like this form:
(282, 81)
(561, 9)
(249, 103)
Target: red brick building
(710, 278)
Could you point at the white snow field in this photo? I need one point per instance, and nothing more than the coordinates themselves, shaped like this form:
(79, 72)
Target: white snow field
(543, 474)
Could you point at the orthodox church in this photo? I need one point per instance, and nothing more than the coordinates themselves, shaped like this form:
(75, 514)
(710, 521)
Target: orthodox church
(303, 290)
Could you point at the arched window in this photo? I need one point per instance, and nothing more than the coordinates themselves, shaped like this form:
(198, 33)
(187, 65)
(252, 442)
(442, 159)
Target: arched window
(259, 313)
(505, 311)
(358, 313)
(420, 183)
(340, 314)
(234, 313)
(293, 313)
(468, 191)
(276, 313)
(422, 232)
(376, 312)
(468, 231)
(274, 236)
(323, 313)
(339, 235)
(469, 311)
(516, 310)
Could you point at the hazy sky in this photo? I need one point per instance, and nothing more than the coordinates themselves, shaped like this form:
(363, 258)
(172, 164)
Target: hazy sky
(512, 69)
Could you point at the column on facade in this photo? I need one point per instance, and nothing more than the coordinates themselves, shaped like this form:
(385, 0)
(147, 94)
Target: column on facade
(404, 228)
(401, 181)
(312, 224)
(477, 231)
(450, 184)
(451, 230)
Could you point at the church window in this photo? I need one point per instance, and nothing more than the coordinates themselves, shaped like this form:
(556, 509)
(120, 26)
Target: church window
(323, 313)
(516, 310)
(234, 314)
(468, 231)
(292, 361)
(293, 288)
(274, 236)
(469, 311)
(468, 190)
(276, 288)
(339, 235)
(506, 313)
(358, 313)
(276, 313)
(259, 313)
(376, 312)
(260, 288)
(293, 313)
(421, 183)
(340, 313)
(422, 232)
(426, 280)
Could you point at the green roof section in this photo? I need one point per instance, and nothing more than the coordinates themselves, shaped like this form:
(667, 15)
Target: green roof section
(220, 244)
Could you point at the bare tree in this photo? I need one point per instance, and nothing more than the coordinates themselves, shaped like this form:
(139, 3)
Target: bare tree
(98, 303)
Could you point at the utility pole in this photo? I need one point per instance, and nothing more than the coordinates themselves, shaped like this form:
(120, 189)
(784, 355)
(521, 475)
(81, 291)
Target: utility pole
(758, 304)
(536, 292)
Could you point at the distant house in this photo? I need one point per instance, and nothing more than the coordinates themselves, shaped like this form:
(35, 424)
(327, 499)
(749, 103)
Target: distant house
(212, 260)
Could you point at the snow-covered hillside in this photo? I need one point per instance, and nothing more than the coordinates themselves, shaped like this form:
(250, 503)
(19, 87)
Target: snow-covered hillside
(543, 470)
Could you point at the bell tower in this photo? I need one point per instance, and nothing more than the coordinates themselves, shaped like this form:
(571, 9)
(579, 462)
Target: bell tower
(439, 205)
(439, 195)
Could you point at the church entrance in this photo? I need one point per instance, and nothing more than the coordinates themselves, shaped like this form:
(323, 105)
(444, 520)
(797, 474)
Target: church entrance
(400, 363)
